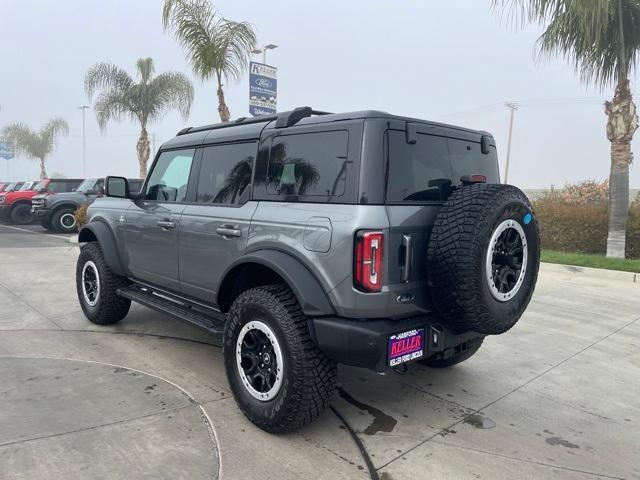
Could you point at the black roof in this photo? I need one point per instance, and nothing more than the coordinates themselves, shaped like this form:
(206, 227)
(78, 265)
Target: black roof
(249, 127)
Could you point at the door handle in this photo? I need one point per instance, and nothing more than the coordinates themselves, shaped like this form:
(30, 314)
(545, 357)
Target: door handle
(408, 258)
(166, 224)
(228, 231)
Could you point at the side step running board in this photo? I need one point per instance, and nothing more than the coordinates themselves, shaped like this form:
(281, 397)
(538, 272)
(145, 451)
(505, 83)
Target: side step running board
(213, 323)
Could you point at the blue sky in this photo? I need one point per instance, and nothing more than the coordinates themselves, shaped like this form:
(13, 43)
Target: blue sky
(450, 61)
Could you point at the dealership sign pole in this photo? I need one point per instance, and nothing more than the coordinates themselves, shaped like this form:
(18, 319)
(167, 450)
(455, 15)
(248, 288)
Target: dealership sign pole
(263, 89)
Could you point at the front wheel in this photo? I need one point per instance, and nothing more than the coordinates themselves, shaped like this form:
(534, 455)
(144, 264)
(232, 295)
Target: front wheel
(278, 377)
(97, 287)
(21, 214)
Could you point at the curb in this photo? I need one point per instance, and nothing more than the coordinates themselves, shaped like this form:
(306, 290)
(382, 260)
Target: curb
(599, 273)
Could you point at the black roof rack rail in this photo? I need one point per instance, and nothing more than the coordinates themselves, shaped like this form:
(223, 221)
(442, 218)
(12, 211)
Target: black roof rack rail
(286, 119)
(283, 119)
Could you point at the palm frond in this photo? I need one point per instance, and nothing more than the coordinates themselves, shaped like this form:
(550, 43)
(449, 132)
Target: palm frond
(146, 69)
(172, 90)
(214, 46)
(106, 76)
(34, 144)
(113, 105)
(144, 101)
(600, 38)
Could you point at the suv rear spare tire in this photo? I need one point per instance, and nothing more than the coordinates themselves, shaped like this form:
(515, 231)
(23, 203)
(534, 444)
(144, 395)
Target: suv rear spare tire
(483, 258)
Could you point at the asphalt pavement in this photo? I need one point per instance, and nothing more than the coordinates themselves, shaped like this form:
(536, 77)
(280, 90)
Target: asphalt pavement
(556, 397)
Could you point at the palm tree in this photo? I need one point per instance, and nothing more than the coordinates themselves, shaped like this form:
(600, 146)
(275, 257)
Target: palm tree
(215, 46)
(601, 38)
(36, 145)
(145, 101)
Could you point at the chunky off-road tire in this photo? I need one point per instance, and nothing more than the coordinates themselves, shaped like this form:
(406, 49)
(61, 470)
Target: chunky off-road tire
(308, 376)
(21, 214)
(461, 353)
(106, 306)
(63, 220)
(460, 282)
(45, 222)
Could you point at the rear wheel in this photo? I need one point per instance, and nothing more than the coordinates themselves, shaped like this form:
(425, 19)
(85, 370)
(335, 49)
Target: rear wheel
(21, 214)
(455, 355)
(97, 287)
(278, 377)
(64, 220)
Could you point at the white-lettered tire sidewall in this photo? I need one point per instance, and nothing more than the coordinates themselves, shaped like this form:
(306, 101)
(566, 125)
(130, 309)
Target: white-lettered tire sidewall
(262, 411)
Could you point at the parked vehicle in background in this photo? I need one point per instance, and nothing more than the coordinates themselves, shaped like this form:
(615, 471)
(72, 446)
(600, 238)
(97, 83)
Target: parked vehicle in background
(56, 211)
(16, 206)
(12, 187)
(7, 197)
(309, 239)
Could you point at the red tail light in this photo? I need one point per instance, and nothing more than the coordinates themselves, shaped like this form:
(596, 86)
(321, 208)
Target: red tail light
(367, 272)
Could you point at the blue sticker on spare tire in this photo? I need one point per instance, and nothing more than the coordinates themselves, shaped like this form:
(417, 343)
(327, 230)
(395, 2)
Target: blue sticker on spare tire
(527, 218)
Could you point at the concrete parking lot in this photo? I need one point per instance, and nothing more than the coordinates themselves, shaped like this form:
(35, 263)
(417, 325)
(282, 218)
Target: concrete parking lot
(556, 397)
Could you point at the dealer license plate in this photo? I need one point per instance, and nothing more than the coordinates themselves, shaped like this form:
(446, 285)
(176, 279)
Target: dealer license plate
(406, 346)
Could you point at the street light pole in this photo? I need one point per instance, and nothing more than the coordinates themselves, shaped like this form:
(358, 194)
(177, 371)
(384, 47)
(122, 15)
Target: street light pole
(84, 141)
(263, 51)
(513, 107)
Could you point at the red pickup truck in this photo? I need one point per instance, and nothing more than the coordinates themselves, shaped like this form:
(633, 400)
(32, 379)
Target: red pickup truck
(16, 206)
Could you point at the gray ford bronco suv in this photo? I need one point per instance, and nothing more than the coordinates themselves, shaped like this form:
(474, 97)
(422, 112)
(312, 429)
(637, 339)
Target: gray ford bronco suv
(308, 239)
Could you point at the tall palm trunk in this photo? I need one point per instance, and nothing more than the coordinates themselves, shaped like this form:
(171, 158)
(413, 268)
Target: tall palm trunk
(621, 125)
(43, 170)
(223, 110)
(143, 151)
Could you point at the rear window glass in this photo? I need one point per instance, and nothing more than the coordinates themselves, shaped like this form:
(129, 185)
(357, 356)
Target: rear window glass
(426, 170)
(467, 159)
(308, 164)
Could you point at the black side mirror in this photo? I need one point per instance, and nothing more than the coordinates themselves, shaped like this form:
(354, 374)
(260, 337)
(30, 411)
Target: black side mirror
(116, 187)
(90, 192)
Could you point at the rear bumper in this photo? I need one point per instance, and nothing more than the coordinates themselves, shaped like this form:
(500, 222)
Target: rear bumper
(365, 343)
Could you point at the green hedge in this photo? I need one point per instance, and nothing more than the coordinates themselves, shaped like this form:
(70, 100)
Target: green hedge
(582, 228)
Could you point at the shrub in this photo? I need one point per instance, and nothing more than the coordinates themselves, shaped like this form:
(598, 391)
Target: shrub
(81, 216)
(575, 219)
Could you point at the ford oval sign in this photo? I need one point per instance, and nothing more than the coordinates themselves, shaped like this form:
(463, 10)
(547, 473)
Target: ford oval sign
(263, 88)
(263, 82)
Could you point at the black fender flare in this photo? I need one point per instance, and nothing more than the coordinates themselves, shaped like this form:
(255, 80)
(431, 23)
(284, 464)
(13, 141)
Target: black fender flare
(56, 206)
(100, 232)
(310, 294)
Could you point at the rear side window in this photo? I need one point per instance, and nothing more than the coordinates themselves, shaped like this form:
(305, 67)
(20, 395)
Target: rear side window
(225, 173)
(308, 164)
(427, 170)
